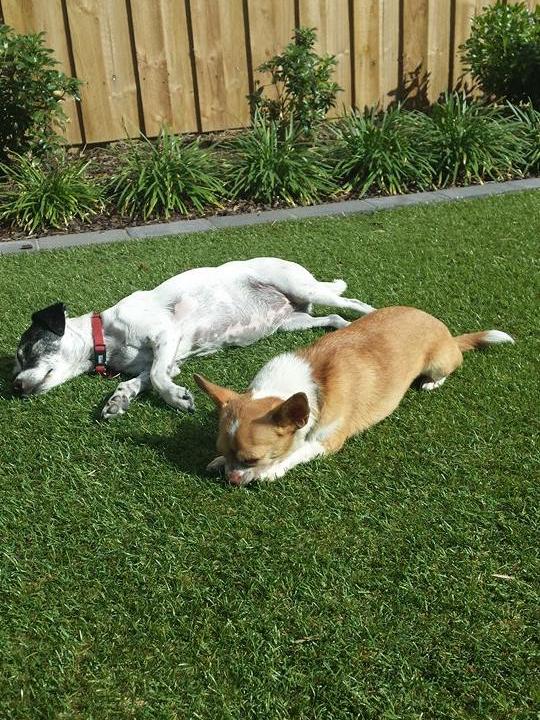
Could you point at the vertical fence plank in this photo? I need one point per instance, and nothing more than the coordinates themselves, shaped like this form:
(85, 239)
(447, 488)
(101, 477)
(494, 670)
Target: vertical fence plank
(426, 48)
(466, 10)
(331, 18)
(221, 61)
(31, 16)
(368, 60)
(271, 26)
(415, 37)
(389, 34)
(438, 47)
(376, 33)
(163, 60)
(103, 60)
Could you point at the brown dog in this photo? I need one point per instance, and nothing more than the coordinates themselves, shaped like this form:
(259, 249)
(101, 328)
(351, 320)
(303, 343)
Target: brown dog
(307, 403)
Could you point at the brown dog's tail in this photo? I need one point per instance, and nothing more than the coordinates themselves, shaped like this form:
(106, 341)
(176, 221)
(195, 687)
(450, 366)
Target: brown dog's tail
(471, 341)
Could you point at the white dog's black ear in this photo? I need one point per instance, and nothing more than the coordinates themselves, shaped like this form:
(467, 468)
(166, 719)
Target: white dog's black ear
(52, 318)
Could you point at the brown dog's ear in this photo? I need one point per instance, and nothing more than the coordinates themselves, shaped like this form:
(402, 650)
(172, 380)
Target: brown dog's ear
(220, 395)
(293, 412)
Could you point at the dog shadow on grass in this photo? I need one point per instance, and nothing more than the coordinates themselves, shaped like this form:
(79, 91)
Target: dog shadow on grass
(148, 397)
(189, 448)
(6, 376)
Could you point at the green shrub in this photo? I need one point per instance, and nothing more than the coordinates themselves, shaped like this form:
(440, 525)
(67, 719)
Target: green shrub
(302, 82)
(31, 90)
(269, 163)
(474, 141)
(37, 194)
(503, 52)
(165, 176)
(385, 152)
(528, 122)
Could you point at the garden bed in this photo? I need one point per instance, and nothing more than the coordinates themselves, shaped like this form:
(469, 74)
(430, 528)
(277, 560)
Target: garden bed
(104, 159)
(245, 212)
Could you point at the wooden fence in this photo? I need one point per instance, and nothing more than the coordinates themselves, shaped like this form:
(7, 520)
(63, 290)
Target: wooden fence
(190, 63)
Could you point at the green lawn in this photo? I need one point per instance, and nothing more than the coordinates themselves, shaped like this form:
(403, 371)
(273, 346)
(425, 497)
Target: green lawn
(366, 585)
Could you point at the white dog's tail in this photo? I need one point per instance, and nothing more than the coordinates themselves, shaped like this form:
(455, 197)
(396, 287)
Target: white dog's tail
(339, 287)
(336, 286)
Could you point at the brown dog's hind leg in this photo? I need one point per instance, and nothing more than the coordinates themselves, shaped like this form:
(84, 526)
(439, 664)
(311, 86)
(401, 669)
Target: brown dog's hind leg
(442, 362)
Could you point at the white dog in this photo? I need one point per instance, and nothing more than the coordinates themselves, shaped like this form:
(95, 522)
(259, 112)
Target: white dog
(149, 334)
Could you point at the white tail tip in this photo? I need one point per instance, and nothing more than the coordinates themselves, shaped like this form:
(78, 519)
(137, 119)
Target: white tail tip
(494, 337)
(339, 286)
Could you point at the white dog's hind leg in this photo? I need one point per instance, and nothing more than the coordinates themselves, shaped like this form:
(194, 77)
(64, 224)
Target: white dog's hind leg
(126, 391)
(329, 293)
(165, 348)
(303, 321)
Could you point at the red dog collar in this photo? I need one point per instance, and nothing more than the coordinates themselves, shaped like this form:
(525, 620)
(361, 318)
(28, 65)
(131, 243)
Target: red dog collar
(100, 350)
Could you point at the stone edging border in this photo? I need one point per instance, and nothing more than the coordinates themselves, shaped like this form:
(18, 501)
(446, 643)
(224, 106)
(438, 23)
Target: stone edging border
(218, 222)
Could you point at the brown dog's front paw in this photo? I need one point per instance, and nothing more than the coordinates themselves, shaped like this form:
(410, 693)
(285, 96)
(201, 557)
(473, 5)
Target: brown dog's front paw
(216, 465)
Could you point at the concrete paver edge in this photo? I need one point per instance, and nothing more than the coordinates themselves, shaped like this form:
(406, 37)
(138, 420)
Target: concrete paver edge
(347, 207)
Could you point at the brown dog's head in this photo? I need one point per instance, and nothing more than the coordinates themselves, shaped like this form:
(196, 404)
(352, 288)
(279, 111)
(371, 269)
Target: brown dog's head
(254, 433)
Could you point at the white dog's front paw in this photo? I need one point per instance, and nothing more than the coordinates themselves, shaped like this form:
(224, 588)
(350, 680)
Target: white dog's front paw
(115, 406)
(216, 465)
(181, 399)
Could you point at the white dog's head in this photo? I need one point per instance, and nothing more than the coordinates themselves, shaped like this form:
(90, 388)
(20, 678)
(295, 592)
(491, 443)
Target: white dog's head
(42, 359)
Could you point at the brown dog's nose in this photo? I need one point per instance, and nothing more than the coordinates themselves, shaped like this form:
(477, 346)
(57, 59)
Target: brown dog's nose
(235, 477)
(18, 387)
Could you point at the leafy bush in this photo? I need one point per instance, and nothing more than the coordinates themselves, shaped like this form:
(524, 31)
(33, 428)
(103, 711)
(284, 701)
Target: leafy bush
(37, 194)
(302, 82)
(386, 152)
(474, 141)
(528, 123)
(31, 90)
(269, 163)
(165, 176)
(503, 52)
